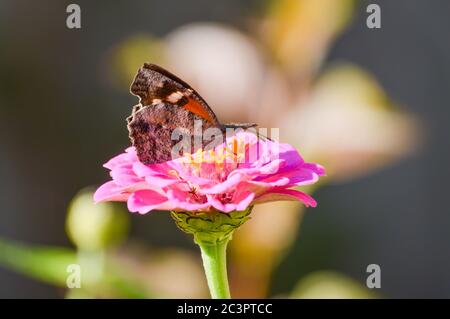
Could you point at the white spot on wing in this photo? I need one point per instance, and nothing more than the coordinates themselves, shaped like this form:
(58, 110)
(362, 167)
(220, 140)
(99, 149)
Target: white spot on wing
(174, 97)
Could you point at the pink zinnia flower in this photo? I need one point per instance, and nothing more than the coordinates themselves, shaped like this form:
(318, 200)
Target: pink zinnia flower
(228, 178)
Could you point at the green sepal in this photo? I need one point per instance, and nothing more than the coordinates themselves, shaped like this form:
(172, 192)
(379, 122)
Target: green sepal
(212, 227)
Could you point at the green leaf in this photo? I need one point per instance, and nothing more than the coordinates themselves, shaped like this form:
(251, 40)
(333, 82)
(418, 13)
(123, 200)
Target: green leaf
(47, 264)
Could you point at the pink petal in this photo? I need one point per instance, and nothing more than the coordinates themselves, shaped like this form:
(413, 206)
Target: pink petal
(298, 177)
(125, 158)
(124, 176)
(243, 200)
(153, 177)
(286, 194)
(272, 167)
(143, 201)
(317, 168)
(182, 201)
(110, 191)
(225, 186)
(239, 202)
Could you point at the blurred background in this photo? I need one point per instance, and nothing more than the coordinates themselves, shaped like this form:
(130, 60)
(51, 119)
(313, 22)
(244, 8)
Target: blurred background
(371, 105)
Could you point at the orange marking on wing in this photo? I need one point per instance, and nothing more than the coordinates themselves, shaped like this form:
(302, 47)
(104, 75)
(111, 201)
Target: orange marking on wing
(196, 108)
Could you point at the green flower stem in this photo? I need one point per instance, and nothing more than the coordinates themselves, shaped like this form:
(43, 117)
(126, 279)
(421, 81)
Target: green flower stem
(215, 265)
(212, 231)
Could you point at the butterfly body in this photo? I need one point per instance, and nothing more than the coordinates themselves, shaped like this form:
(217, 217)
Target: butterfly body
(167, 103)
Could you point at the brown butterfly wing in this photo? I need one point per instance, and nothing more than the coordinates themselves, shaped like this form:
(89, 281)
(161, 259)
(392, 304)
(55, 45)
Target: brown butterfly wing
(151, 128)
(166, 103)
(154, 84)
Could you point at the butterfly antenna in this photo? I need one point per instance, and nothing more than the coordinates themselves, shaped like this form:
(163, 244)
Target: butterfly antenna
(263, 137)
(240, 125)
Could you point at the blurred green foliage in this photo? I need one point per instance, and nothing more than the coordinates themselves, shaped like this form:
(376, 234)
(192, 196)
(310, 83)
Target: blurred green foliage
(47, 264)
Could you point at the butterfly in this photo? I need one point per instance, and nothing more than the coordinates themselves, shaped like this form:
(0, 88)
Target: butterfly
(167, 103)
